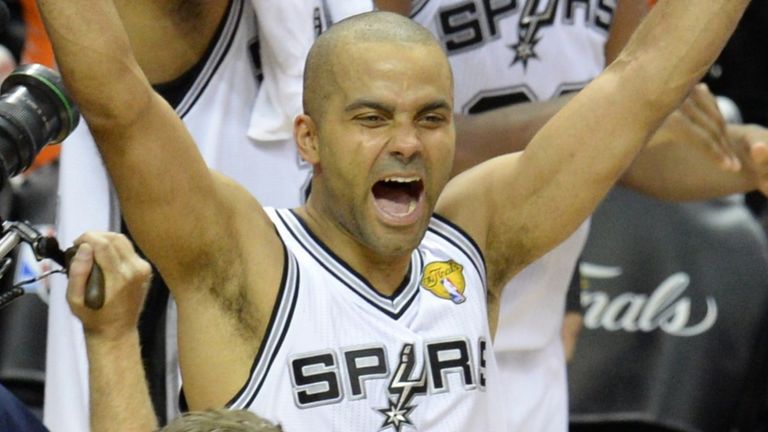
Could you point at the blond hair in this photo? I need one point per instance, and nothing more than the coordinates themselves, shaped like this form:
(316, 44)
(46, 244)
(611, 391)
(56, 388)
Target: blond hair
(220, 420)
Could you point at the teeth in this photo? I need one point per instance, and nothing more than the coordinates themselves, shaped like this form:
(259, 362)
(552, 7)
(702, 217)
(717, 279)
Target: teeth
(401, 179)
(411, 207)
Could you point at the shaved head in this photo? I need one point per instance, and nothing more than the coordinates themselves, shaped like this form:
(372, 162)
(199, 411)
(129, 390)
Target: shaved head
(320, 74)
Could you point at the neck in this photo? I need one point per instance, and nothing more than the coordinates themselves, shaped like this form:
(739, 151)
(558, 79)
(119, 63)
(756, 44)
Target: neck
(384, 273)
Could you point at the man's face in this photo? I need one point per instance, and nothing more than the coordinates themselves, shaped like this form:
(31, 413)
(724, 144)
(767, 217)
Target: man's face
(386, 143)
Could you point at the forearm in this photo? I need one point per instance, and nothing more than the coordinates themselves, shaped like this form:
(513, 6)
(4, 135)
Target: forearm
(119, 393)
(675, 46)
(480, 137)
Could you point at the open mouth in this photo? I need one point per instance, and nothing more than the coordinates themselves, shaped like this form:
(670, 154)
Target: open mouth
(398, 196)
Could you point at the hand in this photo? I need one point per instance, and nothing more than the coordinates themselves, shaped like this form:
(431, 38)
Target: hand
(698, 121)
(126, 281)
(752, 142)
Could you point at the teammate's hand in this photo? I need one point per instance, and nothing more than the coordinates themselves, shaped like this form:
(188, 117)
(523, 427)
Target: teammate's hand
(752, 142)
(126, 280)
(698, 122)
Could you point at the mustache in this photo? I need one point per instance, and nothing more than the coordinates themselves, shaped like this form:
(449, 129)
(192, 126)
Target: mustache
(395, 163)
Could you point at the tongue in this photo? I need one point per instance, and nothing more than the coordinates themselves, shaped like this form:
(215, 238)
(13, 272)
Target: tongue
(392, 200)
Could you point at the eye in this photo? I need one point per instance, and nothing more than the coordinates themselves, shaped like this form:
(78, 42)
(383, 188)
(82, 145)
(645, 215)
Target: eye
(432, 120)
(371, 119)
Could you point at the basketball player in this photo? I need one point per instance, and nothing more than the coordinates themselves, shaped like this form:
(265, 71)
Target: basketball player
(205, 59)
(378, 131)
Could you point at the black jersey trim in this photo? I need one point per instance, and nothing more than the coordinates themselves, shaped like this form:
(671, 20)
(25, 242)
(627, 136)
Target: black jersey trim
(174, 91)
(417, 6)
(459, 238)
(393, 306)
(279, 323)
(410, 280)
(217, 56)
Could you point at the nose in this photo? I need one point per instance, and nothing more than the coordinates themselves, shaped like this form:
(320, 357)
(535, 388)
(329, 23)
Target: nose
(406, 143)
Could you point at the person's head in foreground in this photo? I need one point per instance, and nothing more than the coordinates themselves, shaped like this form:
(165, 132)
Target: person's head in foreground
(220, 420)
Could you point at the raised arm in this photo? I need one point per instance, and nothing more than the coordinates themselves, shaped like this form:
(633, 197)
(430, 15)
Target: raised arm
(201, 230)
(165, 189)
(526, 204)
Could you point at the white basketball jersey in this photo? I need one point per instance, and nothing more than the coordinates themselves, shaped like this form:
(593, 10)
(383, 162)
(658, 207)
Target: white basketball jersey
(217, 112)
(339, 356)
(508, 52)
(512, 51)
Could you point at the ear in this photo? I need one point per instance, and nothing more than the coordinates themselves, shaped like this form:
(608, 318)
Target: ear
(305, 134)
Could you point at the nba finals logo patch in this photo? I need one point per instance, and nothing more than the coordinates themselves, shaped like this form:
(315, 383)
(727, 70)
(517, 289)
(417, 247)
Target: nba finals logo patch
(445, 279)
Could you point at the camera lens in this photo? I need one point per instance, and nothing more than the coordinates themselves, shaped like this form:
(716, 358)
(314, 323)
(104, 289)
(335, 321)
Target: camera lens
(35, 110)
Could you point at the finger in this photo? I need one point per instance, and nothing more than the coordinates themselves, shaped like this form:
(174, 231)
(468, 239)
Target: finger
(105, 253)
(759, 153)
(123, 246)
(707, 103)
(133, 267)
(713, 135)
(701, 137)
(79, 270)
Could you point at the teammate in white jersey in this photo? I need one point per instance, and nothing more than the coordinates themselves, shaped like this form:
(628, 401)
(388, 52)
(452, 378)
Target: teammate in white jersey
(378, 132)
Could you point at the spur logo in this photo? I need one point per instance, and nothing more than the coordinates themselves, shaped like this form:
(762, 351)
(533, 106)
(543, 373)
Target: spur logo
(665, 309)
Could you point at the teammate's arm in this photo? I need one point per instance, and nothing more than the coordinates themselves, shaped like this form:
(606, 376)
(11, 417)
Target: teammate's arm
(524, 204)
(680, 170)
(494, 133)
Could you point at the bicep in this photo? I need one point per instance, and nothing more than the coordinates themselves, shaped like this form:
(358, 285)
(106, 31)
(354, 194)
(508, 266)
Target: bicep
(475, 201)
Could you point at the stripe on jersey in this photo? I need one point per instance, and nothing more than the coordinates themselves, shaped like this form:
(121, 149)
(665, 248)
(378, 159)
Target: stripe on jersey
(217, 57)
(279, 324)
(417, 6)
(393, 306)
(461, 240)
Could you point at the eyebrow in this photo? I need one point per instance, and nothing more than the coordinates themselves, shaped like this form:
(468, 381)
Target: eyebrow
(435, 106)
(367, 103)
